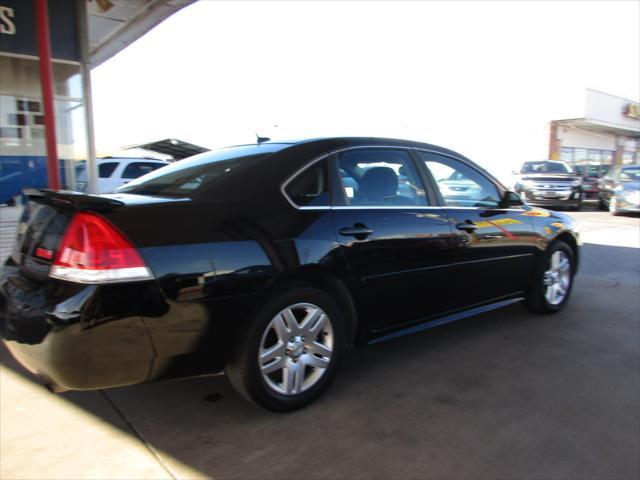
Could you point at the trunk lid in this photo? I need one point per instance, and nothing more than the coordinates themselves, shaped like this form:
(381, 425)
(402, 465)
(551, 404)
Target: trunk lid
(45, 220)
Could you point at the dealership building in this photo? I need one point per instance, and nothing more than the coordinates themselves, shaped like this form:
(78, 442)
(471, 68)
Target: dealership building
(47, 48)
(608, 134)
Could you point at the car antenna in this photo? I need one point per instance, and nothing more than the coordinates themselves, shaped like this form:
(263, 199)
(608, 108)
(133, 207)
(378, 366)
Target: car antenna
(260, 139)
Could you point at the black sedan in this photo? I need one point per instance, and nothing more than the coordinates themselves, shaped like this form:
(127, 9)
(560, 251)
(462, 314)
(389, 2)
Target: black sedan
(267, 261)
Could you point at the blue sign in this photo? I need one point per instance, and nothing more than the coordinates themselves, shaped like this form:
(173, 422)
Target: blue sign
(18, 28)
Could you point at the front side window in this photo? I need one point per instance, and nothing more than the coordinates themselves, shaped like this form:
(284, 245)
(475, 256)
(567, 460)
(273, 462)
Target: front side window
(310, 188)
(379, 177)
(459, 184)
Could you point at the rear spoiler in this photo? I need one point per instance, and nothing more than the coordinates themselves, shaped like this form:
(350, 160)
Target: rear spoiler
(77, 201)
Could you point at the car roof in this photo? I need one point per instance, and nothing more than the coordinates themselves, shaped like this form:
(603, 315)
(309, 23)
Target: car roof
(330, 142)
(117, 159)
(545, 161)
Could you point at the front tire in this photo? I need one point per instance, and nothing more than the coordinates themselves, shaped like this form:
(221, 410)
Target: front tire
(288, 355)
(613, 205)
(602, 205)
(553, 280)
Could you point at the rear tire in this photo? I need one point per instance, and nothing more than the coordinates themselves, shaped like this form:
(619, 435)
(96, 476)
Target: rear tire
(283, 363)
(553, 279)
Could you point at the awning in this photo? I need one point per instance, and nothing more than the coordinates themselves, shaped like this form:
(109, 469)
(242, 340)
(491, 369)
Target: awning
(115, 24)
(599, 126)
(177, 149)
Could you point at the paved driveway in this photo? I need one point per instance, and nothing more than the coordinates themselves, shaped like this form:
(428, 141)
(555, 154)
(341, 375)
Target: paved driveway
(504, 395)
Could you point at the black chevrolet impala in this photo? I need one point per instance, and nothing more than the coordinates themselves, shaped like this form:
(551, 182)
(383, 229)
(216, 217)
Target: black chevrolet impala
(267, 261)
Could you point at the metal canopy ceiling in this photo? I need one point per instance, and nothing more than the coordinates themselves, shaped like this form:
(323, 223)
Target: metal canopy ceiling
(173, 147)
(115, 24)
(598, 126)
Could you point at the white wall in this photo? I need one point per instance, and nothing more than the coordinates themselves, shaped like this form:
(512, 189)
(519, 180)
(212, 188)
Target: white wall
(610, 109)
(573, 137)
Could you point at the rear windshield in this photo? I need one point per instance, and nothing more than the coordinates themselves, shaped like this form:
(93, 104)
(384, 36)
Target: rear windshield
(186, 177)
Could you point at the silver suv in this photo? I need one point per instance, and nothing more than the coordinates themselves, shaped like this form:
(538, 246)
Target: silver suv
(548, 183)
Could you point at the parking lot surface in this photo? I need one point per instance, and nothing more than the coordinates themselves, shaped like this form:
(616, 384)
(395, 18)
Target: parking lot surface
(508, 394)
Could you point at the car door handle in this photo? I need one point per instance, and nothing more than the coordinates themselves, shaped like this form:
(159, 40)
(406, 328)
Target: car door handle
(359, 230)
(467, 226)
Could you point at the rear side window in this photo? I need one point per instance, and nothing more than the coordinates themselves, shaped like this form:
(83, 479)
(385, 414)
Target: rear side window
(310, 188)
(137, 169)
(105, 170)
(380, 177)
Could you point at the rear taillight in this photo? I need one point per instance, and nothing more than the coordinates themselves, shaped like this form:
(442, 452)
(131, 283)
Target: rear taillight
(94, 251)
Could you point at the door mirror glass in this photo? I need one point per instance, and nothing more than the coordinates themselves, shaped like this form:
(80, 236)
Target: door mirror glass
(512, 199)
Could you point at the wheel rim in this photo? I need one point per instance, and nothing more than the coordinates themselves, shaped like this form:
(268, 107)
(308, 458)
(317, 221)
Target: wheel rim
(296, 348)
(558, 278)
(612, 204)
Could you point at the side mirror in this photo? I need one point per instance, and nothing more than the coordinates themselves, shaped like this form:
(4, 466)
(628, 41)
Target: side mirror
(511, 199)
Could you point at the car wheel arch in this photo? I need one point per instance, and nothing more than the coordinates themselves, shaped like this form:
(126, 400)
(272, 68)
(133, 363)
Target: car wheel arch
(570, 240)
(330, 285)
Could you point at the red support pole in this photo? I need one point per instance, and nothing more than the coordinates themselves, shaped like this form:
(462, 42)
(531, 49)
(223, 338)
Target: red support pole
(46, 82)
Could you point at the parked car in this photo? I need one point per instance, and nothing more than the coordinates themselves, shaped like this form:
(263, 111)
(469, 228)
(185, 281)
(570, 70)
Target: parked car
(457, 186)
(591, 175)
(113, 172)
(549, 183)
(267, 262)
(620, 189)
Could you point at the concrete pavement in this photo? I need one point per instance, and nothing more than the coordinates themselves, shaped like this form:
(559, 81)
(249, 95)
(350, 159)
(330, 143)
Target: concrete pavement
(504, 395)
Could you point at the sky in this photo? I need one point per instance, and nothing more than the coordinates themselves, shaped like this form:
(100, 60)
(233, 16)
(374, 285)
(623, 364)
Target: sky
(482, 78)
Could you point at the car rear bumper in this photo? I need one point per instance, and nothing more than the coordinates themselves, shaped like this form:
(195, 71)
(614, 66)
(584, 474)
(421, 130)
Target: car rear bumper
(83, 340)
(75, 359)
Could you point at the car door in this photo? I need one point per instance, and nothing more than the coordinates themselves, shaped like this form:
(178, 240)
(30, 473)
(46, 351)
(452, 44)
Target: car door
(394, 238)
(498, 260)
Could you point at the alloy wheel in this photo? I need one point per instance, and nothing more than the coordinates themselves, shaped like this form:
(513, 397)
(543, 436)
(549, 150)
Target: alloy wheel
(296, 348)
(557, 279)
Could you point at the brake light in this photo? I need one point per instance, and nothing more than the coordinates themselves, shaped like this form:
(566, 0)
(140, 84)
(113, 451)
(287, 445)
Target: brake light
(94, 251)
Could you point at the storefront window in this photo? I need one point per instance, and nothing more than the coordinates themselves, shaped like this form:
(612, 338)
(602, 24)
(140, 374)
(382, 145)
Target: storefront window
(566, 155)
(580, 156)
(594, 156)
(23, 154)
(629, 157)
